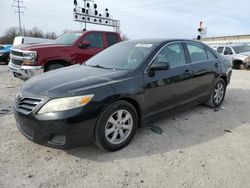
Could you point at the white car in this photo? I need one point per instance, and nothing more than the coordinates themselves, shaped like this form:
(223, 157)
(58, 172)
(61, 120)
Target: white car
(30, 40)
(238, 54)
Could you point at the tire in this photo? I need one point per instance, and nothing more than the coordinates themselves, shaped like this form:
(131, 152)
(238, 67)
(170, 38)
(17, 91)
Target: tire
(219, 90)
(241, 66)
(54, 66)
(109, 128)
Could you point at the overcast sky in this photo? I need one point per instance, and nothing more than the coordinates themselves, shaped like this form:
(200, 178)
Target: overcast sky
(139, 18)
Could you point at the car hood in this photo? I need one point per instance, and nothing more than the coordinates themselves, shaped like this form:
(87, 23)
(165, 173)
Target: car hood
(73, 80)
(245, 53)
(37, 46)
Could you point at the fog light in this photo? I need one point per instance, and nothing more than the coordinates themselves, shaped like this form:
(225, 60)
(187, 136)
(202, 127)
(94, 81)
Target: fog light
(58, 139)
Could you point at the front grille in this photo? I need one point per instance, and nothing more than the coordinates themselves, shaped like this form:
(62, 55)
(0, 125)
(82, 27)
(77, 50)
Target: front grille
(26, 105)
(16, 62)
(16, 53)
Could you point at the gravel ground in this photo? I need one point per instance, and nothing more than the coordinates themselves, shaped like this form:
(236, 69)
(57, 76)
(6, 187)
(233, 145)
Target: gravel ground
(198, 148)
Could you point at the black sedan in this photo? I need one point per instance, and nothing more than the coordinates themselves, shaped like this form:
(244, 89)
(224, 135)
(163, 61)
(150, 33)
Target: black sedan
(105, 99)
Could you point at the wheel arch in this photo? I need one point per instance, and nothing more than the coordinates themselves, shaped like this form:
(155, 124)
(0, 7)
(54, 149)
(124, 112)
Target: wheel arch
(136, 105)
(224, 77)
(56, 61)
(237, 62)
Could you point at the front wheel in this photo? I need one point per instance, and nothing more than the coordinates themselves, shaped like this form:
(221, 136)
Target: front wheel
(116, 126)
(53, 67)
(218, 94)
(241, 66)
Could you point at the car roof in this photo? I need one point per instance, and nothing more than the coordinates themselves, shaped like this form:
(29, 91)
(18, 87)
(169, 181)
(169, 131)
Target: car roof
(162, 40)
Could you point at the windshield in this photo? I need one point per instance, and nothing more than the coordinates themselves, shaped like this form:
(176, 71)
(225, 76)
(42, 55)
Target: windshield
(241, 49)
(124, 56)
(68, 38)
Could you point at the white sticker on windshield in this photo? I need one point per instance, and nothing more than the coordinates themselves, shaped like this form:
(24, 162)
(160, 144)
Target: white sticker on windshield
(143, 45)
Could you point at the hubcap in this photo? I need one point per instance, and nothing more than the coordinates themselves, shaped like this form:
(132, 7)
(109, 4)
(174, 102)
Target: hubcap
(219, 93)
(119, 127)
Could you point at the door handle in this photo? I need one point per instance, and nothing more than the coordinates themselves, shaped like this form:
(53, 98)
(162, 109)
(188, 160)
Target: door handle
(216, 65)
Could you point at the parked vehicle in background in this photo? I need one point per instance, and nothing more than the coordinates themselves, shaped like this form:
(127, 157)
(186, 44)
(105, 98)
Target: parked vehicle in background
(238, 54)
(119, 89)
(30, 40)
(72, 48)
(214, 46)
(5, 52)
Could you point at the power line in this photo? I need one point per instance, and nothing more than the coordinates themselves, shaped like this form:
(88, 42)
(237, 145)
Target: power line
(19, 11)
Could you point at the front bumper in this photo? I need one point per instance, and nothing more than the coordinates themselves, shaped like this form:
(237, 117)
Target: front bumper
(247, 64)
(25, 72)
(57, 130)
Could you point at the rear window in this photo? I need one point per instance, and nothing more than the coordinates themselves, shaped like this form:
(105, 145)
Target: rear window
(197, 52)
(220, 50)
(112, 39)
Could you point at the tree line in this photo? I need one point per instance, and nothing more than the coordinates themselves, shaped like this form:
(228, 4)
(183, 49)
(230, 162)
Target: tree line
(12, 32)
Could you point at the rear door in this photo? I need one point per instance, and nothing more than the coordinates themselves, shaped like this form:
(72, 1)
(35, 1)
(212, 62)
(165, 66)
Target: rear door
(167, 88)
(204, 65)
(97, 45)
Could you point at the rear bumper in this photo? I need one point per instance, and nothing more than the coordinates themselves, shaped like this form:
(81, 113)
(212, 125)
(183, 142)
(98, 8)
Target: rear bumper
(57, 132)
(25, 72)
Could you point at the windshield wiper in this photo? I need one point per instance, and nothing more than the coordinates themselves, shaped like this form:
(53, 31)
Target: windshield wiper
(99, 66)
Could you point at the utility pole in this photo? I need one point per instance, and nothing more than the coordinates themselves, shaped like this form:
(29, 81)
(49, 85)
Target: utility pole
(19, 11)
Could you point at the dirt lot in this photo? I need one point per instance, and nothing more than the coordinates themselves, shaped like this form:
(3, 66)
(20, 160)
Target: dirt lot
(198, 148)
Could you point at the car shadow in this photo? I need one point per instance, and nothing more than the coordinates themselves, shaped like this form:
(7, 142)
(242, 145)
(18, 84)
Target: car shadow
(195, 126)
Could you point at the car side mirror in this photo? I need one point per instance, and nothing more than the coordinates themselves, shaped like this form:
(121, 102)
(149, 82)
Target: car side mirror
(160, 66)
(84, 44)
(225, 53)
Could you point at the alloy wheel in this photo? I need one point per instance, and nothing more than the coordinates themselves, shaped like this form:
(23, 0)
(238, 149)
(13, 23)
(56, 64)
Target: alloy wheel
(119, 127)
(219, 93)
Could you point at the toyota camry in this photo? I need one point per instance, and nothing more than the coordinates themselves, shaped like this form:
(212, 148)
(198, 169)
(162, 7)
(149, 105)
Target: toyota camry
(105, 99)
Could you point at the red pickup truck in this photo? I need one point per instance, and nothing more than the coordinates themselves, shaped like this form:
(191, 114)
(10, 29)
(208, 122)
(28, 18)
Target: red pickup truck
(72, 48)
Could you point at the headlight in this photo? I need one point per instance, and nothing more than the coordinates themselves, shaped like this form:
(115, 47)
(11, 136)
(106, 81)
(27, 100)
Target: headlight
(29, 55)
(62, 104)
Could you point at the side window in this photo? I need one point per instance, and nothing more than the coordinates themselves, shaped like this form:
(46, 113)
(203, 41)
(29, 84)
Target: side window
(173, 54)
(211, 55)
(112, 39)
(95, 40)
(228, 51)
(197, 52)
(220, 50)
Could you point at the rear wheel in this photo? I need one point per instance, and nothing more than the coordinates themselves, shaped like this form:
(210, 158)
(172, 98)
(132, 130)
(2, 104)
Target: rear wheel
(116, 126)
(54, 66)
(218, 94)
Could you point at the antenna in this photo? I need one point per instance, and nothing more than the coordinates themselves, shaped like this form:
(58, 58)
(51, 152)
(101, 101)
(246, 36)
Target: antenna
(19, 11)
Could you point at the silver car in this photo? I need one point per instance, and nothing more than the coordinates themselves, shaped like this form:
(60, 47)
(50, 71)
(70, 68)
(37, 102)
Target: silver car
(238, 54)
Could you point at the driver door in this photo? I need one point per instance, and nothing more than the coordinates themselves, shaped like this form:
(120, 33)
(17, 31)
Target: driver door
(165, 89)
